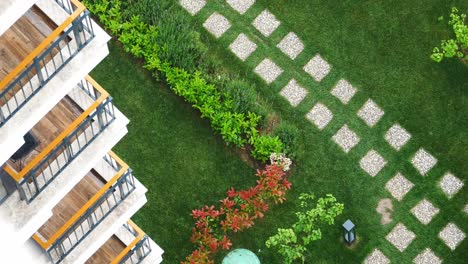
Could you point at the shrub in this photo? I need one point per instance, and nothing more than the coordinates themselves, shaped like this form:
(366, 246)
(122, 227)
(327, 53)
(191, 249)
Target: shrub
(142, 39)
(235, 213)
(289, 136)
(455, 47)
(178, 38)
(291, 242)
(242, 94)
(264, 145)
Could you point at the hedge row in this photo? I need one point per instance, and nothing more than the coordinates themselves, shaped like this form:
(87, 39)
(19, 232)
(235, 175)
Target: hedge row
(142, 40)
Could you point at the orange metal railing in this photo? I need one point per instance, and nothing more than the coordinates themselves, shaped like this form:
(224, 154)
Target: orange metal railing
(44, 44)
(140, 235)
(47, 243)
(18, 176)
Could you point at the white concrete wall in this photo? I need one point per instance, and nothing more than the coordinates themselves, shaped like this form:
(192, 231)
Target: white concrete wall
(155, 257)
(108, 227)
(12, 10)
(12, 131)
(25, 218)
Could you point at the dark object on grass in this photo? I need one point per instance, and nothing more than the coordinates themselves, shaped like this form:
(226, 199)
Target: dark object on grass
(350, 233)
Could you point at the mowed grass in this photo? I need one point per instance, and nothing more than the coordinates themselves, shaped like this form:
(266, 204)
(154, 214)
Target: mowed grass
(172, 151)
(383, 49)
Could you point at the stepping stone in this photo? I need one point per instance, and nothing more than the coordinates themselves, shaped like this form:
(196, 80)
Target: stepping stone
(268, 70)
(399, 186)
(320, 115)
(241, 6)
(291, 45)
(346, 138)
(397, 136)
(192, 6)
(376, 257)
(242, 47)
(400, 237)
(217, 24)
(423, 161)
(452, 236)
(465, 209)
(294, 93)
(371, 113)
(372, 163)
(344, 91)
(424, 211)
(427, 257)
(266, 23)
(450, 184)
(317, 67)
(385, 209)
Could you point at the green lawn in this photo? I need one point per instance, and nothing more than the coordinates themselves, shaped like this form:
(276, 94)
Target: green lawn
(172, 152)
(383, 49)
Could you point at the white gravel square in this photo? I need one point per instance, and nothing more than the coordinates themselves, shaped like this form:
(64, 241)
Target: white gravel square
(317, 67)
(423, 161)
(452, 236)
(217, 24)
(372, 163)
(465, 209)
(241, 6)
(266, 23)
(397, 136)
(424, 211)
(192, 6)
(294, 93)
(450, 184)
(427, 257)
(399, 186)
(346, 138)
(370, 112)
(344, 91)
(376, 257)
(268, 70)
(400, 237)
(242, 47)
(320, 115)
(291, 45)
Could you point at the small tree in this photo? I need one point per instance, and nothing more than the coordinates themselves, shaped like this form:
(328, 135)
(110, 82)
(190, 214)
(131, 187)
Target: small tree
(291, 242)
(455, 47)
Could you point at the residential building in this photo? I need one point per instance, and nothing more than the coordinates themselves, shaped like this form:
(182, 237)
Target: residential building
(65, 197)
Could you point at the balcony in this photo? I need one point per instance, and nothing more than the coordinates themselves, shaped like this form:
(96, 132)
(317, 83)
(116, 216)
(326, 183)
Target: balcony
(22, 38)
(88, 204)
(60, 136)
(39, 53)
(128, 245)
(69, 53)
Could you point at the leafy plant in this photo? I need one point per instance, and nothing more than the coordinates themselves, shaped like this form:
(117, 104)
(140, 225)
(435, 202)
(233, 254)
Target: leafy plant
(235, 213)
(291, 243)
(264, 145)
(455, 47)
(162, 48)
(289, 136)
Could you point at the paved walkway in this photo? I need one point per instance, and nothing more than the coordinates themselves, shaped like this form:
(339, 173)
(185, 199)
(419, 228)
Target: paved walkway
(320, 115)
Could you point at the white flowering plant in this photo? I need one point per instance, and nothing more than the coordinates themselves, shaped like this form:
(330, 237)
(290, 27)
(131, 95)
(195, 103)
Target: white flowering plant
(281, 160)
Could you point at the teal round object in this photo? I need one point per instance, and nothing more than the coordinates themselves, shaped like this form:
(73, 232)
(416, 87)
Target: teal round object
(241, 256)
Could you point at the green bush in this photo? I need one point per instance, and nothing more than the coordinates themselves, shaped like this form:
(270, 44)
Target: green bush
(289, 135)
(178, 38)
(242, 94)
(264, 145)
(455, 47)
(161, 41)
